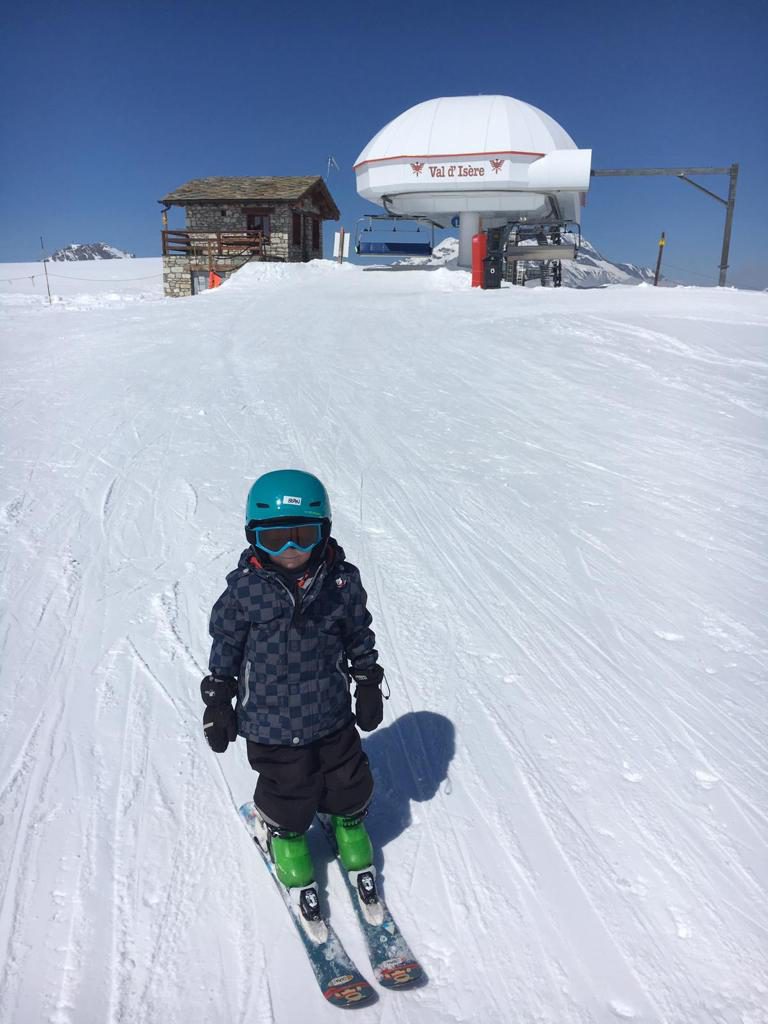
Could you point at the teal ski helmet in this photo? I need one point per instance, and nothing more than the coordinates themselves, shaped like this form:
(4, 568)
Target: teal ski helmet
(287, 492)
(287, 497)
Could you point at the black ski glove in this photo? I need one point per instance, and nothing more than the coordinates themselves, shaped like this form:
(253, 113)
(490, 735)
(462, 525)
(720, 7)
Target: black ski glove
(369, 704)
(219, 719)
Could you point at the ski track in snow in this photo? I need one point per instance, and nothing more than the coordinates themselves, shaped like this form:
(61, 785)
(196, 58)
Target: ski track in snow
(557, 501)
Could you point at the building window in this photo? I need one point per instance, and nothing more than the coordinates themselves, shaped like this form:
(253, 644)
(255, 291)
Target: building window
(315, 233)
(223, 213)
(296, 232)
(257, 220)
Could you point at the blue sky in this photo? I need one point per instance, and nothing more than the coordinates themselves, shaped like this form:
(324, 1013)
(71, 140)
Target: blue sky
(108, 106)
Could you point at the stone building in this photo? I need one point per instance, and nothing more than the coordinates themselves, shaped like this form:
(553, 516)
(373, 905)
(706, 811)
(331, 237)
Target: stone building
(231, 221)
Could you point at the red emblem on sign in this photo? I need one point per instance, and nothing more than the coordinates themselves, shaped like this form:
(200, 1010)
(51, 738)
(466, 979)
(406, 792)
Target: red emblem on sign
(417, 168)
(497, 165)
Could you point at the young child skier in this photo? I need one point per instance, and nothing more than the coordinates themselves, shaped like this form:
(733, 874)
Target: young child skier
(289, 634)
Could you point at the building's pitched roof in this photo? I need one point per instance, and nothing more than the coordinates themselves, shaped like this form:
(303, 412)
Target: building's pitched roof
(244, 190)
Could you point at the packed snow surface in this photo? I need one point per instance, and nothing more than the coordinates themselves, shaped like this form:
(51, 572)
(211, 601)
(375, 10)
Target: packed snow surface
(557, 500)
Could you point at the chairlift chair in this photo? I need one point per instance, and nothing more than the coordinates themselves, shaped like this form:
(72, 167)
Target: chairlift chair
(387, 244)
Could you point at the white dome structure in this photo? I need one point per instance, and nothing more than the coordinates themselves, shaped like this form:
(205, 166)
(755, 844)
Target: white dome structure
(489, 157)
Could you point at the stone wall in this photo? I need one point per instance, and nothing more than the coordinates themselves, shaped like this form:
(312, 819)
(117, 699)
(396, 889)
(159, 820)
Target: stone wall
(177, 278)
(232, 217)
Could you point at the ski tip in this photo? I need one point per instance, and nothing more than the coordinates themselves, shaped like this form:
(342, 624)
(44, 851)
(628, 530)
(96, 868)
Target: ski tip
(348, 991)
(399, 973)
(247, 810)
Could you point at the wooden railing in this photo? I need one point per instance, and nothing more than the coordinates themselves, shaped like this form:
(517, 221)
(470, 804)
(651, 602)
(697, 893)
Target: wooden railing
(214, 243)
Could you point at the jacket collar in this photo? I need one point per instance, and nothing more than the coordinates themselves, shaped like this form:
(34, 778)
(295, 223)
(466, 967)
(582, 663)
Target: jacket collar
(334, 555)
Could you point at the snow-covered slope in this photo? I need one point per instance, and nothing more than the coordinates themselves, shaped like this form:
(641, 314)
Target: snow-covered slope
(90, 251)
(89, 284)
(557, 500)
(590, 269)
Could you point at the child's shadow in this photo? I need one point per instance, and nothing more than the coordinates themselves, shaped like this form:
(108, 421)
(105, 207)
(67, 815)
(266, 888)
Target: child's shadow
(409, 760)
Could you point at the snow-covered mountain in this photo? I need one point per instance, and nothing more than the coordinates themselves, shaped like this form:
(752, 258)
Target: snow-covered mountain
(590, 269)
(90, 251)
(557, 504)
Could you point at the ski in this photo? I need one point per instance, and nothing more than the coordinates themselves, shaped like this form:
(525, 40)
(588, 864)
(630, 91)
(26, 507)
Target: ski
(393, 963)
(340, 981)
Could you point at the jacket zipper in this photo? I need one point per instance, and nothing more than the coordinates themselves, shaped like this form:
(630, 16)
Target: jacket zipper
(296, 611)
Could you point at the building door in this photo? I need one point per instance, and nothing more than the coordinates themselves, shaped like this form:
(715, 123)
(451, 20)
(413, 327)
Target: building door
(305, 237)
(199, 281)
(296, 230)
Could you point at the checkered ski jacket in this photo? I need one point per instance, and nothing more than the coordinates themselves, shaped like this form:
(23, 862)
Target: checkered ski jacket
(290, 650)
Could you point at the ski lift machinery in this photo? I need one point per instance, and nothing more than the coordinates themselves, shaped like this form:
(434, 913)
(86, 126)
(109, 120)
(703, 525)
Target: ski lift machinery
(371, 239)
(536, 250)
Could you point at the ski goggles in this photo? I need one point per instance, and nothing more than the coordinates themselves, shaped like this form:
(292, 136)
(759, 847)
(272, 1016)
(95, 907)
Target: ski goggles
(277, 539)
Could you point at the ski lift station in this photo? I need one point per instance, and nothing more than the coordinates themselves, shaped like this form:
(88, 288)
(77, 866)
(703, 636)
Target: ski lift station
(472, 162)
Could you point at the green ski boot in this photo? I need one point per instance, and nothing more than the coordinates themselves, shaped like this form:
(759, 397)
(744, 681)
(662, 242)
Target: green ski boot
(353, 842)
(290, 854)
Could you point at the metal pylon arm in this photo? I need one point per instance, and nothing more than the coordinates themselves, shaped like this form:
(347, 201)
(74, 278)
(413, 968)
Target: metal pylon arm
(682, 173)
(701, 188)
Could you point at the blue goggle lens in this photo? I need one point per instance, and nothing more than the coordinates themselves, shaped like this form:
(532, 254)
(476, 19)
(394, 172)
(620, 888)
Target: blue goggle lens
(276, 539)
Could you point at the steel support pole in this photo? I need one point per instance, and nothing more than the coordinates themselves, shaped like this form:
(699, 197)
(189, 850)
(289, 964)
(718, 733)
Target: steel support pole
(734, 174)
(45, 268)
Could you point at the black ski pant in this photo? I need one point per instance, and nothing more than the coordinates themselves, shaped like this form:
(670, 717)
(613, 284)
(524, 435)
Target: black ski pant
(330, 775)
